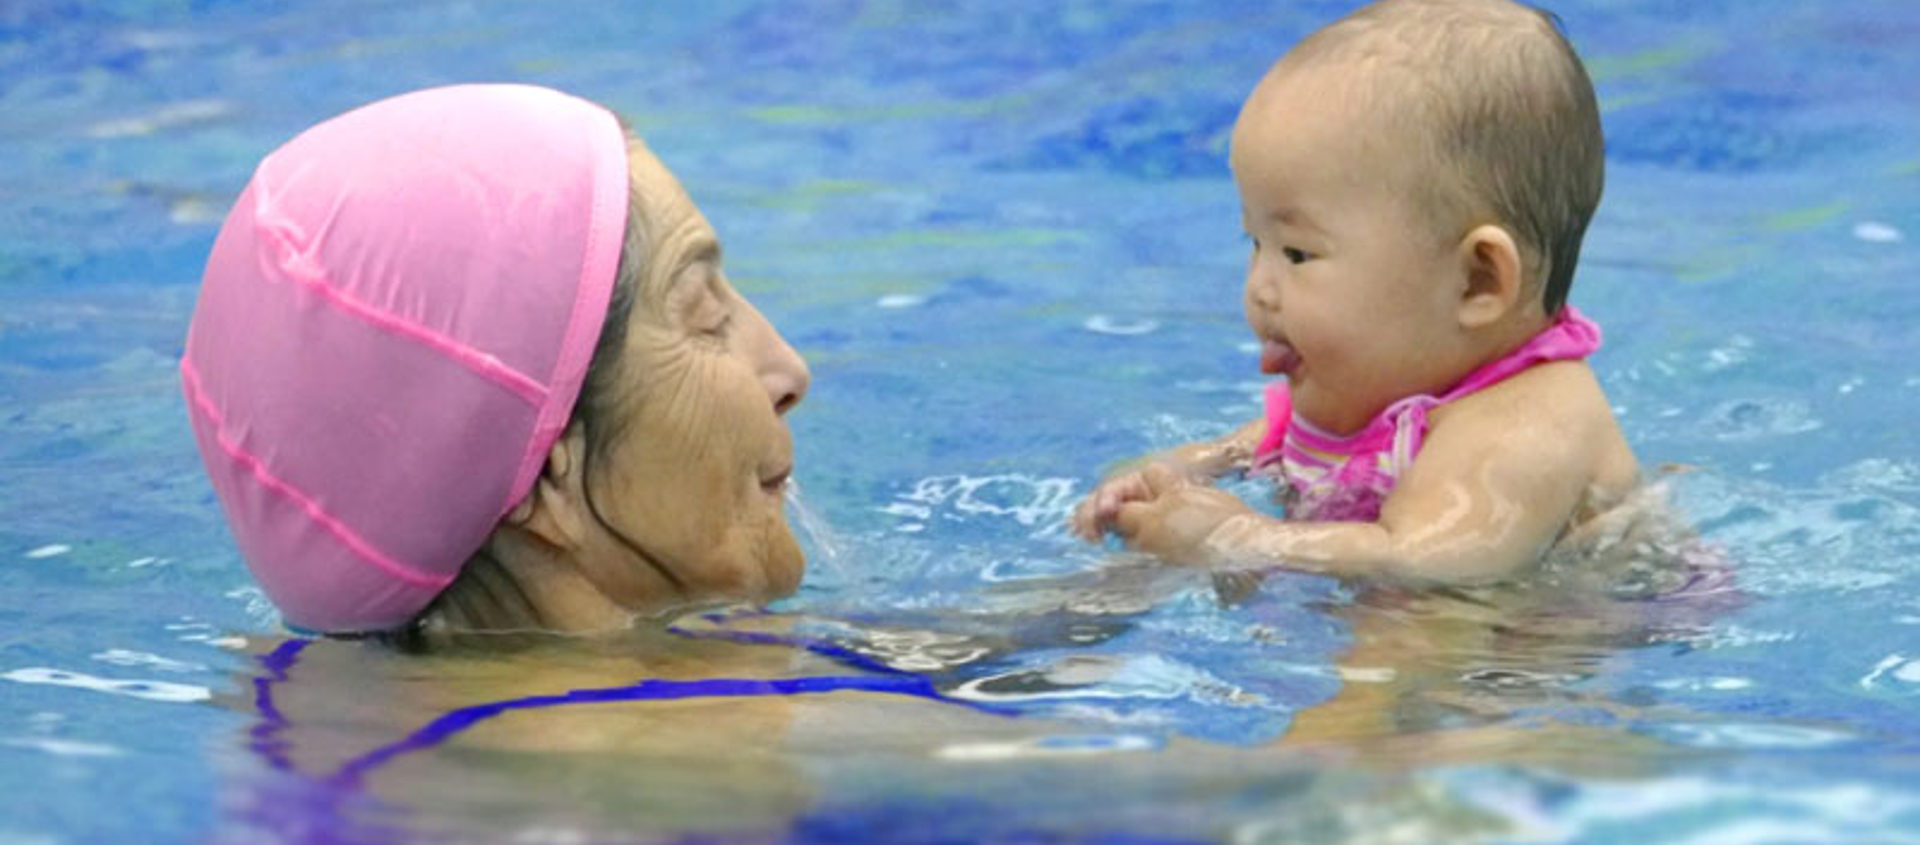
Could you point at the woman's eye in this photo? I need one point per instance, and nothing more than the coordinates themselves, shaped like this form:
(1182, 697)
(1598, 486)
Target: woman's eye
(705, 307)
(714, 317)
(1295, 256)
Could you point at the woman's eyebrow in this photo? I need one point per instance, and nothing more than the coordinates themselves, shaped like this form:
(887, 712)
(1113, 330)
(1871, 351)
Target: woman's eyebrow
(701, 250)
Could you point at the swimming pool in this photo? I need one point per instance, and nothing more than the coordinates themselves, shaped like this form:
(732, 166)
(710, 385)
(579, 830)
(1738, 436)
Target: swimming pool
(1004, 236)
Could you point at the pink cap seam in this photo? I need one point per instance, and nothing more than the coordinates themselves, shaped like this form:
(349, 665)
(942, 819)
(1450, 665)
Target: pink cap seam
(295, 264)
(257, 468)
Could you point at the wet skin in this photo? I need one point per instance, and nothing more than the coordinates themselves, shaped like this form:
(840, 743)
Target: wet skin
(1359, 303)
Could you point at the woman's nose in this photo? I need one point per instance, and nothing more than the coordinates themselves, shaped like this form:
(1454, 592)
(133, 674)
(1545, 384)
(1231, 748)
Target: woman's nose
(783, 372)
(786, 377)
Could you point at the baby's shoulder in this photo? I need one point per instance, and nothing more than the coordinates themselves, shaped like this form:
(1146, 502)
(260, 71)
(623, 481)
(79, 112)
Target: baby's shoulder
(1552, 414)
(1563, 394)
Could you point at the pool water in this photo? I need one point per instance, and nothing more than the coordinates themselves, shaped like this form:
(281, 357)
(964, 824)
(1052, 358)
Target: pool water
(1004, 236)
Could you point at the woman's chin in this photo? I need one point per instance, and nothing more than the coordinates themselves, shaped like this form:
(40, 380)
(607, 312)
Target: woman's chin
(768, 565)
(784, 565)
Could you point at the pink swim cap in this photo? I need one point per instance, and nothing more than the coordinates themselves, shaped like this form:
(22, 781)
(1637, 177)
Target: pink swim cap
(391, 333)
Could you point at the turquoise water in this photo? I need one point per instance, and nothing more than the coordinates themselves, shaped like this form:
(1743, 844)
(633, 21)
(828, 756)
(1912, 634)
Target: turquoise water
(1004, 236)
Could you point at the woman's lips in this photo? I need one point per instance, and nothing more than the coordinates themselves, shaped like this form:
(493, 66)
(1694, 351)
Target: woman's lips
(1277, 357)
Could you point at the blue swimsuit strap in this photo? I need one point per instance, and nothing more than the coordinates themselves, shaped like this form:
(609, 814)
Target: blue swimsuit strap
(268, 744)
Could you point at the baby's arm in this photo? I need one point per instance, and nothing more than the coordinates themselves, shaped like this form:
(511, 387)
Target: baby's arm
(1201, 460)
(1497, 480)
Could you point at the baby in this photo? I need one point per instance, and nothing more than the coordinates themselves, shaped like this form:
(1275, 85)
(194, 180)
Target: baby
(1415, 180)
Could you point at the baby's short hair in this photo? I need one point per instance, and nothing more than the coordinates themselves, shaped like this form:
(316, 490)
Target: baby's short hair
(1498, 102)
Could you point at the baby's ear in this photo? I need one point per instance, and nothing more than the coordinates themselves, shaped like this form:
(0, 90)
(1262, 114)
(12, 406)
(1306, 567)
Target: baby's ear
(1490, 258)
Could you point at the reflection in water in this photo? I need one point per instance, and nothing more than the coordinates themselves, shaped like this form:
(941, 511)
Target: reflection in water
(807, 724)
(1529, 656)
(1048, 746)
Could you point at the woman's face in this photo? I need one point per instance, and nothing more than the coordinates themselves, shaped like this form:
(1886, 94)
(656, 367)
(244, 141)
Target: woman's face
(691, 473)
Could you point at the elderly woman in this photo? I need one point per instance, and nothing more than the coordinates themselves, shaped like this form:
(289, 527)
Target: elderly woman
(465, 359)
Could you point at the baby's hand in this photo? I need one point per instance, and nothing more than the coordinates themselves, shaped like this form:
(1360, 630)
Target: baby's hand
(1175, 517)
(1094, 517)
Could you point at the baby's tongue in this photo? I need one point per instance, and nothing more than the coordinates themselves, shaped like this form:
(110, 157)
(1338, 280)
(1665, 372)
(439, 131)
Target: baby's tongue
(1277, 358)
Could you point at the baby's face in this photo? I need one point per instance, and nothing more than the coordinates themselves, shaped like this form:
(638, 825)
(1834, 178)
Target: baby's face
(1351, 296)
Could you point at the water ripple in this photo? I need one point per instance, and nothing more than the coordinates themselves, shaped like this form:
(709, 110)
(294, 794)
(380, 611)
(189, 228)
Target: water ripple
(1029, 500)
(63, 747)
(1104, 324)
(1055, 745)
(1897, 667)
(1754, 736)
(149, 690)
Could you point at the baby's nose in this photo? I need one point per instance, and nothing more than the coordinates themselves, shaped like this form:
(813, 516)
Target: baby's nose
(1262, 297)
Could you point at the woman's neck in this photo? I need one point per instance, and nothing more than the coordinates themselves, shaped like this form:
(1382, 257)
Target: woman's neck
(516, 582)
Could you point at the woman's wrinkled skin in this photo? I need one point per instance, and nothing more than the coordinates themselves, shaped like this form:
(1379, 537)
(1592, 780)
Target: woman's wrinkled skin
(679, 501)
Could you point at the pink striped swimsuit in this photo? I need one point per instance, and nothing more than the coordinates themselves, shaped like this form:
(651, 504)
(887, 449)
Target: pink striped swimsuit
(1328, 478)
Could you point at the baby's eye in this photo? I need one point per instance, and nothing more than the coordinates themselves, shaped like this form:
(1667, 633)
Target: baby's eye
(1295, 256)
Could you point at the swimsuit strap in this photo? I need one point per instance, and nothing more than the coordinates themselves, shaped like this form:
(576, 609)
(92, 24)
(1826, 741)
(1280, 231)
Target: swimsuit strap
(1400, 430)
(1571, 336)
(268, 743)
(1279, 413)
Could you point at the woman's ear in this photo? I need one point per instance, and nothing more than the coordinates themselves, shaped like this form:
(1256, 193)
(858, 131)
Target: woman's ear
(552, 509)
(1494, 276)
